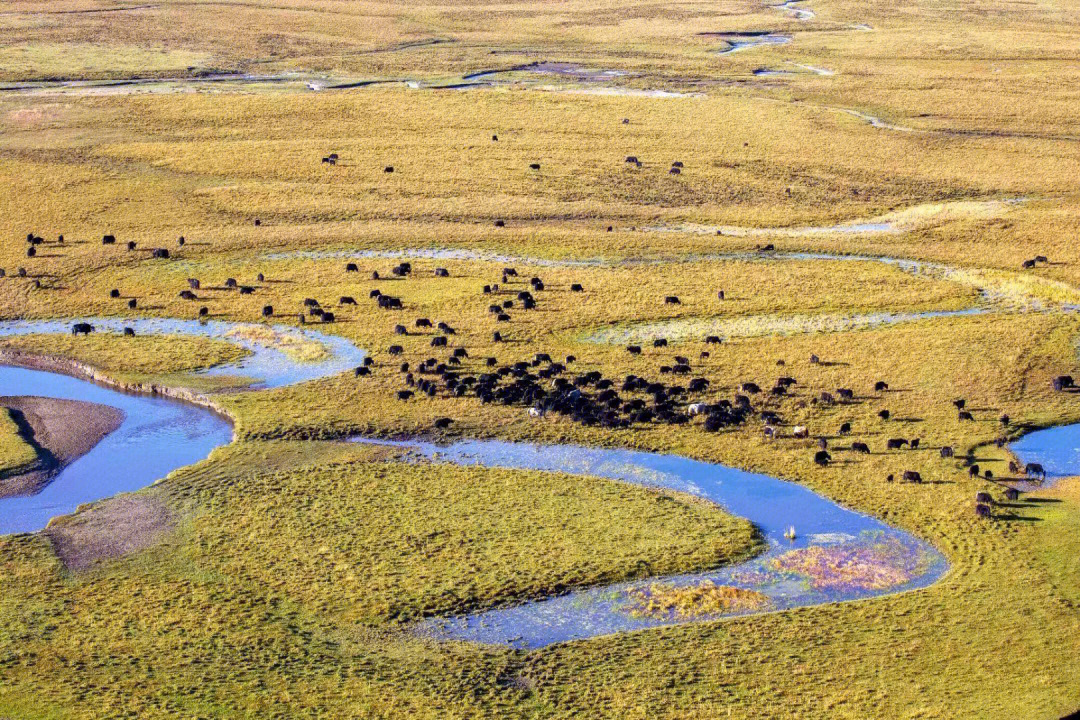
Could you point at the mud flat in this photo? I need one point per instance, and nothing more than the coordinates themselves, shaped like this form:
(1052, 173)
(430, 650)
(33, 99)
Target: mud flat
(60, 431)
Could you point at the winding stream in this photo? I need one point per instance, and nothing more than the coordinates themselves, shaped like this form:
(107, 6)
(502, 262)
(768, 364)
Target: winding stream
(838, 554)
(271, 361)
(158, 434)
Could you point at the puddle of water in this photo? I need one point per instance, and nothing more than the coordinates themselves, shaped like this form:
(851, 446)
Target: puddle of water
(838, 555)
(270, 365)
(158, 435)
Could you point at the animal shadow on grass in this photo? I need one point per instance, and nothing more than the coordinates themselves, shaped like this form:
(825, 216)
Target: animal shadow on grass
(1014, 517)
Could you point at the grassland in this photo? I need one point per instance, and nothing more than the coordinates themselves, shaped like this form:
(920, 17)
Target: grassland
(292, 566)
(16, 455)
(132, 359)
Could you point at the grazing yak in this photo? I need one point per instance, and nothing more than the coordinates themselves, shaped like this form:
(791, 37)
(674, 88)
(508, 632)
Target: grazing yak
(184, 295)
(822, 457)
(346, 300)
(895, 443)
(576, 287)
(800, 431)
(860, 447)
(82, 328)
(1035, 470)
(351, 267)
(671, 300)
(880, 386)
(268, 311)
(982, 511)
(845, 428)
(129, 332)
(114, 293)
(965, 415)
(884, 414)
(912, 476)
(712, 340)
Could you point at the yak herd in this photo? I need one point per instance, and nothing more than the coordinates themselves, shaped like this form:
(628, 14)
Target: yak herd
(543, 385)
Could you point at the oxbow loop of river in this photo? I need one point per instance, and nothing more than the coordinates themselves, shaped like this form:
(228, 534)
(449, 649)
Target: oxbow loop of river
(837, 554)
(158, 434)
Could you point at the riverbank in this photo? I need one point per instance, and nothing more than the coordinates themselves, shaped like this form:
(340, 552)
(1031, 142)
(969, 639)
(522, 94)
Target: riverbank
(83, 371)
(60, 431)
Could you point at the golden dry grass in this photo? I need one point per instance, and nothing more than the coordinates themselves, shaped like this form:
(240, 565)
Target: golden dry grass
(295, 563)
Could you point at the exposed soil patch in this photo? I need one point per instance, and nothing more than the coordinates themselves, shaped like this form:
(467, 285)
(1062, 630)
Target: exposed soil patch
(112, 529)
(61, 431)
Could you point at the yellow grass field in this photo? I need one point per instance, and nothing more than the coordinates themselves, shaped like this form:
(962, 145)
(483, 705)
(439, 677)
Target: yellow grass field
(901, 163)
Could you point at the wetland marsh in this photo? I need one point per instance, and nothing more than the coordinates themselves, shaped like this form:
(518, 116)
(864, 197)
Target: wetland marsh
(539, 361)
